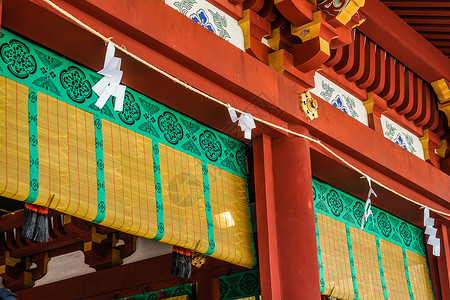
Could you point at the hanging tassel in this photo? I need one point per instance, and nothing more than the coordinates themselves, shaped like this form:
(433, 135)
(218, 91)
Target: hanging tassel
(35, 223)
(181, 262)
(29, 221)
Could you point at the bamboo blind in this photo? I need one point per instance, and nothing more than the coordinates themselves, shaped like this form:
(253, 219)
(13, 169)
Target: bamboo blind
(383, 261)
(148, 171)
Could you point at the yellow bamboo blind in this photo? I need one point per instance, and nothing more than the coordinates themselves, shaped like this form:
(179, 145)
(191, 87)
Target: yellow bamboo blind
(14, 155)
(367, 269)
(386, 260)
(418, 275)
(336, 262)
(177, 198)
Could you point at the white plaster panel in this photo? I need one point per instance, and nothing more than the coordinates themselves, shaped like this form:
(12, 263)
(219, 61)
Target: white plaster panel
(64, 267)
(212, 18)
(146, 248)
(401, 136)
(339, 98)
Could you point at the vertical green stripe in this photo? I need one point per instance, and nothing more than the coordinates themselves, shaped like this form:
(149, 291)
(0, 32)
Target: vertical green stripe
(100, 171)
(209, 219)
(405, 262)
(33, 142)
(380, 264)
(352, 263)
(158, 191)
(251, 227)
(319, 256)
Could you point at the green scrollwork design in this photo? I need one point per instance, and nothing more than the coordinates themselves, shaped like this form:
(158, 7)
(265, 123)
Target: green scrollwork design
(18, 58)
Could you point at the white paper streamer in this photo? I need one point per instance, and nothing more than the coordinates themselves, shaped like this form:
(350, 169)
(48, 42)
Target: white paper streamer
(245, 121)
(368, 207)
(431, 232)
(110, 85)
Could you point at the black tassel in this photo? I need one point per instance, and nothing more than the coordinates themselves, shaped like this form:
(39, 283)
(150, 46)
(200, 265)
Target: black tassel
(35, 223)
(41, 231)
(181, 262)
(29, 221)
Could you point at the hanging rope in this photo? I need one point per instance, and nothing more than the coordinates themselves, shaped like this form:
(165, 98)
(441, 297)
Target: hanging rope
(195, 90)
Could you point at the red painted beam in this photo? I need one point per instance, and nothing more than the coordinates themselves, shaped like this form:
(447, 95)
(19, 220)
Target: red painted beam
(421, 4)
(126, 280)
(385, 28)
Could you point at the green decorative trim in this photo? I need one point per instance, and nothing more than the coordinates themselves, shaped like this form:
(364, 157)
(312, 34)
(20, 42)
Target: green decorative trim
(158, 191)
(380, 264)
(180, 290)
(352, 262)
(56, 76)
(33, 140)
(240, 285)
(405, 262)
(350, 210)
(100, 171)
(209, 219)
(319, 256)
(251, 225)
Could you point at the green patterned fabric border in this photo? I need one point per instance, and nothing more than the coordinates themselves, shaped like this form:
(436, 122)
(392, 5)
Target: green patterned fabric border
(350, 210)
(240, 285)
(319, 256)
(100, 171)
(405, 262)
(158, 191)
(209, 218)
(33, 139)
(352, 262)
(58, 77)
(380, 265)
(180, 290)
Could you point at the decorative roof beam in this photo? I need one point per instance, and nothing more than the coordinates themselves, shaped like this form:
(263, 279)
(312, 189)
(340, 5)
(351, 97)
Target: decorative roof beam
(404, 43)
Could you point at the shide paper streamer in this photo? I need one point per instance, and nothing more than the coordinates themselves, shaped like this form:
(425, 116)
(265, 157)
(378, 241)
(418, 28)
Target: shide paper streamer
(245, 121)
(368, 206)
(110, 85)
(431, 232)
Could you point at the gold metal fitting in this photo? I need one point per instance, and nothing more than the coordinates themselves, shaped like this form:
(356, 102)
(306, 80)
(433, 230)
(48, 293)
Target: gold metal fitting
(198, 259)
(308, 106)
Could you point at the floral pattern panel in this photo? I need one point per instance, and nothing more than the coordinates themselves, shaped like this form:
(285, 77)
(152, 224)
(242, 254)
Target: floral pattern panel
(339, 98)
(212, 18)
(401, 137)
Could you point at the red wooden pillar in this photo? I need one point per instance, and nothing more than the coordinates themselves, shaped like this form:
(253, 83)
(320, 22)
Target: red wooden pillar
(443, 262)
(294, 212)
(208, 287)
(266, 218)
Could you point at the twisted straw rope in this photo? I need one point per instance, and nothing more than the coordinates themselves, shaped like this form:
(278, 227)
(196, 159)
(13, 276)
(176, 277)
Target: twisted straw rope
(195, 90)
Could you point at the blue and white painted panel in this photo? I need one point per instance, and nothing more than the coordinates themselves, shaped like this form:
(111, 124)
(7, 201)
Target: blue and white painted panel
(339, 98)
(401, 136)
(212, 18)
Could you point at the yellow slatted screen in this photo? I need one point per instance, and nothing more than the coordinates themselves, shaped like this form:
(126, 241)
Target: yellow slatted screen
(66, 146)
(147, 170)
(418, 275)
(14, 155)
(227, 192)
(68, 182)
(183, 199)
(130, 194)
(336, 262)
(367, 269)
(386, 260)
(183, 297)
(394, 270)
